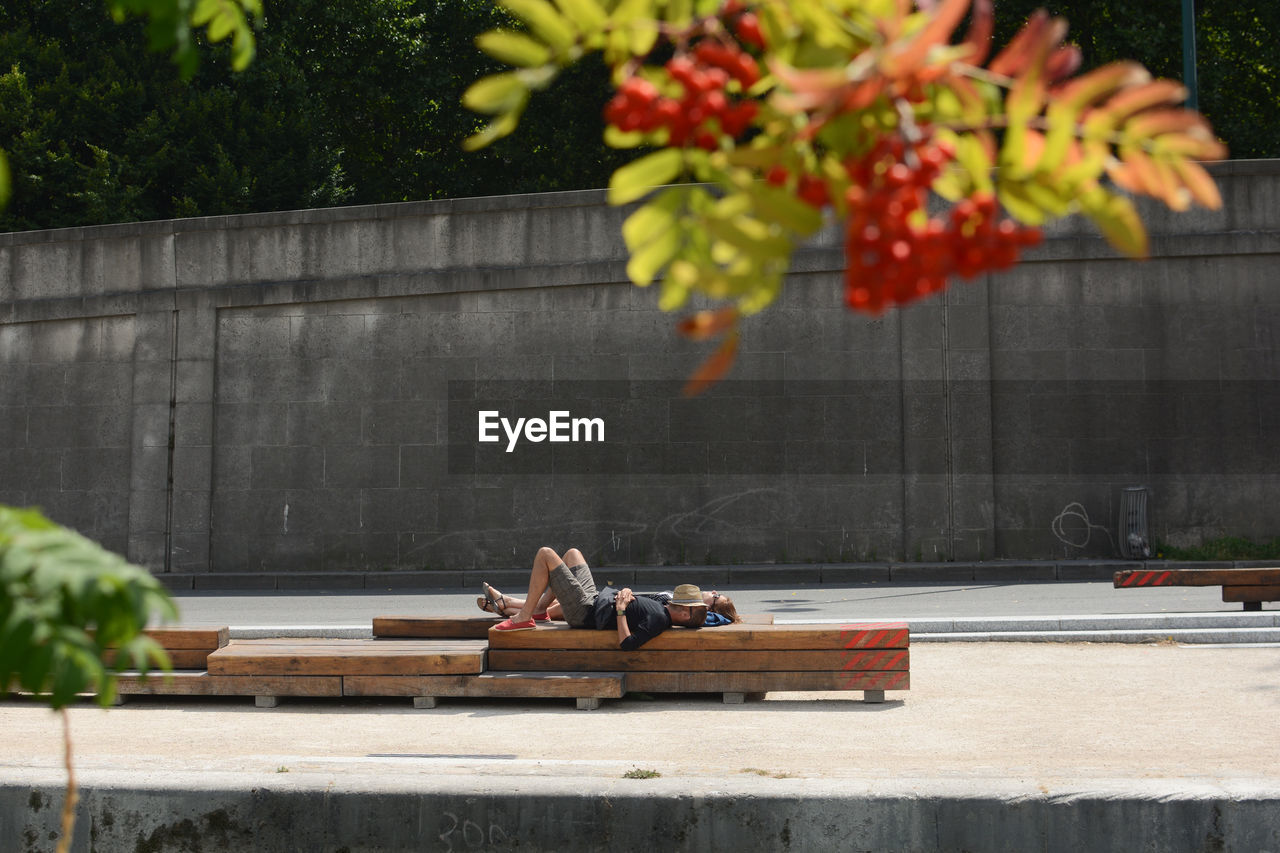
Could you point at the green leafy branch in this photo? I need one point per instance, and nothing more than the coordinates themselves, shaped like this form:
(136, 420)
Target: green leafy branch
(170, 25)
(72, 614)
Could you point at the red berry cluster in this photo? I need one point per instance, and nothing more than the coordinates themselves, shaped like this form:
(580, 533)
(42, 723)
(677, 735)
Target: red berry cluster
(810, 189)
(890, 259)
(705, 105)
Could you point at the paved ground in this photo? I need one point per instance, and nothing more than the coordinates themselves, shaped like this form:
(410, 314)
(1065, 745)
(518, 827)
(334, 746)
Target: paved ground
(1039, 716)
(1003, 732)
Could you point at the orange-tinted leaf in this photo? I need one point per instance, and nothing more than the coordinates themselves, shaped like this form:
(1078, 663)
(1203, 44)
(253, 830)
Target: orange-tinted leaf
(714, 368)
(705, 325)
(1156, 122)
(1032, 148)
(978, 38)
(1036, 36)
(937, 31)
(1027, 95)
(1199, 183)
(1123, 175)
(1101, 83)
(1144, 97)
(1062, 63)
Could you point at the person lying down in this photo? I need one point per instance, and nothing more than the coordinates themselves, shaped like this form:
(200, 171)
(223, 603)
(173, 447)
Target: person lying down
(564, 588)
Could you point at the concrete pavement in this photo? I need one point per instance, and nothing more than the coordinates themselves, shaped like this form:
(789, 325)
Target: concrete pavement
(997, 746)
(1059, 746)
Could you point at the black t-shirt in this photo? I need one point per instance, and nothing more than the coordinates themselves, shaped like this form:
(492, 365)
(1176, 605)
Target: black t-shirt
(645, 617)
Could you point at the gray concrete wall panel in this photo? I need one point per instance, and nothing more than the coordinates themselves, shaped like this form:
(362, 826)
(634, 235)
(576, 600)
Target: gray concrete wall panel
(297, 392)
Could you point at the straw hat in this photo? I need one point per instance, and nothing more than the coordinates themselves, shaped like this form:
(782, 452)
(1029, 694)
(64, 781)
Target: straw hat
(688, 595)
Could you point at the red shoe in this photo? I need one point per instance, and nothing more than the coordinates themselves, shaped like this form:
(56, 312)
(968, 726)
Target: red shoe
(508, 625)
(541, 617)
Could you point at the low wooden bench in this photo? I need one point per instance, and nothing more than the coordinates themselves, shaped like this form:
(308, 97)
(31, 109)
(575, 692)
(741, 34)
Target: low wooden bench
(735, 660)
(428, 658)
(1251, 587)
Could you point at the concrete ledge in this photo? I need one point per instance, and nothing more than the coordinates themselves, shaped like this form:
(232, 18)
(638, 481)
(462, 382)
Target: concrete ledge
(122, 812)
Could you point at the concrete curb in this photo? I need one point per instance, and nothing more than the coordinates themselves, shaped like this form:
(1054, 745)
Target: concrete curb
(122, 811)
(994, 571)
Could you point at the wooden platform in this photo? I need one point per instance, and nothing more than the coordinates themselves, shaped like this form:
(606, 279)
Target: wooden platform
(1250, 587)
(443, 659)
(733, 659)
(189, 648)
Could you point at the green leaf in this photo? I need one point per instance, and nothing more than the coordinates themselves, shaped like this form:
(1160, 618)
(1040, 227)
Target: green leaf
(586, 14)
(650, 220)
(751, 237)
(544, 21)
(781, 206)
(63, 598)
(615, 138)
(513, 48)
(638, 177)
(492, 132)
(1117, 219)
(5, 181)
(497, 93)
(648, 260)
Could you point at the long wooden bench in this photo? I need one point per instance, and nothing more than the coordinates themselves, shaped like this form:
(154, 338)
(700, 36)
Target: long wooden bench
(1250, 587)
(735, 660)
(429, 658)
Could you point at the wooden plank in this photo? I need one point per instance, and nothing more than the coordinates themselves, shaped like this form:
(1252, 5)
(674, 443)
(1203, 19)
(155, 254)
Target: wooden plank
(1251, 593)
(831, 660)
(763, 682)
(875, 635)
(434, 627)
(521, 685)
(727, 637)
(187, 659)
(190, 638)
(204, 684)
(1130, 578)
(349, 657)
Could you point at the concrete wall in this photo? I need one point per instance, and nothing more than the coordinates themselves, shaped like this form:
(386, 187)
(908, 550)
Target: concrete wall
(299, 391)
(444, 813)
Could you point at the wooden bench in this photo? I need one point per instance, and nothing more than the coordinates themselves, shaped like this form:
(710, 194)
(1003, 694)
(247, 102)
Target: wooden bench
(735, 660)
(428, 658)
(1251, 587)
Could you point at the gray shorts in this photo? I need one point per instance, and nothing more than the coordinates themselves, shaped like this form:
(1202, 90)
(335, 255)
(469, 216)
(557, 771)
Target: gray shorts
(575, 589)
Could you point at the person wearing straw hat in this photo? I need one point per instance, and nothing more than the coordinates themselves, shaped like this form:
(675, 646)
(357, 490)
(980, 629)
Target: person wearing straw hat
(721, 609)
(568, 580)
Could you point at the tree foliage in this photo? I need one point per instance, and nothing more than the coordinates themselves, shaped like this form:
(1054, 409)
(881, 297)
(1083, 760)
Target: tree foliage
(786, 114)
(64, 603)
(346, 103)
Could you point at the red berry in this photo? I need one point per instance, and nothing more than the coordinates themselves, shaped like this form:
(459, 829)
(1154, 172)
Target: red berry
(748, 30)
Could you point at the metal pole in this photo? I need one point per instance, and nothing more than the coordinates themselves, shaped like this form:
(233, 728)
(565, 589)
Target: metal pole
(1189, 53)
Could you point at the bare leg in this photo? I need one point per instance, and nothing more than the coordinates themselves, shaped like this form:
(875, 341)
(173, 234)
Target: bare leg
(539, 577)
(513, 604)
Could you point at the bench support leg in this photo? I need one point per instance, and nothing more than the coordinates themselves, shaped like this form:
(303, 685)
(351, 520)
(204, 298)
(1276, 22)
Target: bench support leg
(589, 704)
(266, 701)
(735, 698)
(1252, 605)
(873, 696)
(424, 702)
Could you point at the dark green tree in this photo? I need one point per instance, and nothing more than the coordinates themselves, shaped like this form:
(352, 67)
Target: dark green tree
(346, 103)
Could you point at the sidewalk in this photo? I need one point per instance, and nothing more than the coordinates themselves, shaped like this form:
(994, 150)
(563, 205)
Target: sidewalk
(996, 746)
